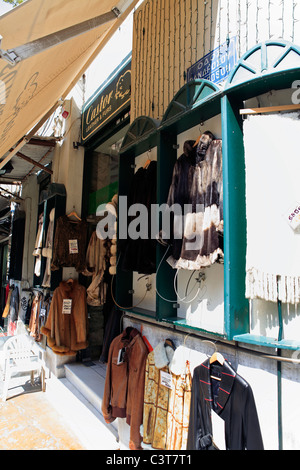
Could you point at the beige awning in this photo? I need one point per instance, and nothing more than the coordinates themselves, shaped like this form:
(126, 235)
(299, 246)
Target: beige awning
(51, 43)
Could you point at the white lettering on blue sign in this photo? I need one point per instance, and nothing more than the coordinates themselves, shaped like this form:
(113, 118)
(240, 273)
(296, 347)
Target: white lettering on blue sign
(216, 65)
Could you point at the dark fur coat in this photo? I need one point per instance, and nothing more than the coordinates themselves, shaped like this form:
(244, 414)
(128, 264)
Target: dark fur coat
(197, 240)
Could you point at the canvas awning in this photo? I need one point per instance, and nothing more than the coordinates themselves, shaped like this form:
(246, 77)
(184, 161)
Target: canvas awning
(46, 46)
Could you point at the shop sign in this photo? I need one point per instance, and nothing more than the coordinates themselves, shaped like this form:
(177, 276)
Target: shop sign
(216, 65)
(107, 104)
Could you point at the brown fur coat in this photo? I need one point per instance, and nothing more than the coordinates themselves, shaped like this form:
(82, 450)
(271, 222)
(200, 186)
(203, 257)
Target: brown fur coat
(67, 333)
(198, 182)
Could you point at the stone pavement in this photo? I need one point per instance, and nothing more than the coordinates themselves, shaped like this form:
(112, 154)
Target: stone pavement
(55, 420)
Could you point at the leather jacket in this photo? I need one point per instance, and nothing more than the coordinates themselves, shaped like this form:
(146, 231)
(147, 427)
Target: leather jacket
(125, 381)
(232, 399)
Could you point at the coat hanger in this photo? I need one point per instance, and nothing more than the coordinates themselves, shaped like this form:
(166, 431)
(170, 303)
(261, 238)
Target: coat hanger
(169, 342)
(148, 161)
(74, 214)
(197, 141)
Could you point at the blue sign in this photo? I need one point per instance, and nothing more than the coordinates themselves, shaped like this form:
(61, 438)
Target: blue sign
(216, 65)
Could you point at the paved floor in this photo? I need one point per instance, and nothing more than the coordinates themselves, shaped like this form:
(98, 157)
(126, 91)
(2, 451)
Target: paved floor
(29, 422)
(55, 420)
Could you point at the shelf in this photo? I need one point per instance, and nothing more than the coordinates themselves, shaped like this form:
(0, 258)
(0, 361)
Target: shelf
(177, 321)
(267, 342)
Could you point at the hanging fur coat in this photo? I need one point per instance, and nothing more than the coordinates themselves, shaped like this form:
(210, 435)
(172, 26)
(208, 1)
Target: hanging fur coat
(67, 331)
(197, 238)
(69, 248)
(156, 397)
(179, 403)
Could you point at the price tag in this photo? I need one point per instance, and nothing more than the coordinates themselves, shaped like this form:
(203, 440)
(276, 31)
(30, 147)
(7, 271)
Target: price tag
(73, 247)
(43, 312)
(166, 379)
(218, 430)
(121, 355)
(293, 216)
(67, 307)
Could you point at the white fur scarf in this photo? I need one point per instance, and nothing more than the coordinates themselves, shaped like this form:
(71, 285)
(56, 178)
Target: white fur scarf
(272, 189)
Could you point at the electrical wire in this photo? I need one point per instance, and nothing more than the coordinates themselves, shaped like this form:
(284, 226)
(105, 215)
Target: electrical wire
(112, 294)
(184, 298)
(125, 308)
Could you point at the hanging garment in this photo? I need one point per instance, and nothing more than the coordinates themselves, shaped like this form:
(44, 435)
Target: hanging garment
(124, 383)
(197, 237)
(156, 396)
(38, 246)
(69, 248)
(24, 300)
(48, 248)
(14, 305)
(232, 399)
(66, 327)
(7, 305)
(96, 262)
(34, 317)
(179, 403)
(140, 254)
(272, 207)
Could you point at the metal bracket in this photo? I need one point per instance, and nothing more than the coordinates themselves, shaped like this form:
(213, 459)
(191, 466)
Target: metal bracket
(10, 56)
(116, 11)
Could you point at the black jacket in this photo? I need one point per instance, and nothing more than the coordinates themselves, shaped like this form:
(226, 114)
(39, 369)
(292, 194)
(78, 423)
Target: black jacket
(232, 399)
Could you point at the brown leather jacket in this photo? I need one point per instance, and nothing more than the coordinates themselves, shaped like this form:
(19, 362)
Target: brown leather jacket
(124, 383)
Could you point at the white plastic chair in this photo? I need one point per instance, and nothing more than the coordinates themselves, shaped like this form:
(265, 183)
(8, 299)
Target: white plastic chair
(19, 356)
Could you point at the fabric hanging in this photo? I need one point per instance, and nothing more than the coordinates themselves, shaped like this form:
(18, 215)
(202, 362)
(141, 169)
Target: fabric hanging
(231, 399)
(66, 327)
(272, 195)
(197, 237)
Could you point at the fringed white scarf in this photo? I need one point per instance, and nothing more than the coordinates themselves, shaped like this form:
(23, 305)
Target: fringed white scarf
(272, 160)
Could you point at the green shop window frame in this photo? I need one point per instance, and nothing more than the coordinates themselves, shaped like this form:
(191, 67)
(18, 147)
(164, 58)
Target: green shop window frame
(272, 65)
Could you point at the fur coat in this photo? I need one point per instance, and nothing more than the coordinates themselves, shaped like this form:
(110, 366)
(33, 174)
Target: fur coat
(197, 181)
(156, 397)
(69, 248)
(67, 332)
(166, 410)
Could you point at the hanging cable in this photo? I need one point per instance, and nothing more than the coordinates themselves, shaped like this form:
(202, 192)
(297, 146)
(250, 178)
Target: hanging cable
(112, 294)
(184, 299)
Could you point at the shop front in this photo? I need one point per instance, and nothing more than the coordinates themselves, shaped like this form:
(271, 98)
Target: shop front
(231, 302)
(105, 121)
(172, 226)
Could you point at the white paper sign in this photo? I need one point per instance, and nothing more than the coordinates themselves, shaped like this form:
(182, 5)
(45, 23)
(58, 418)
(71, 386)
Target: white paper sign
(166, 379)
(73, 247)
(218, 429)
(67, 306)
